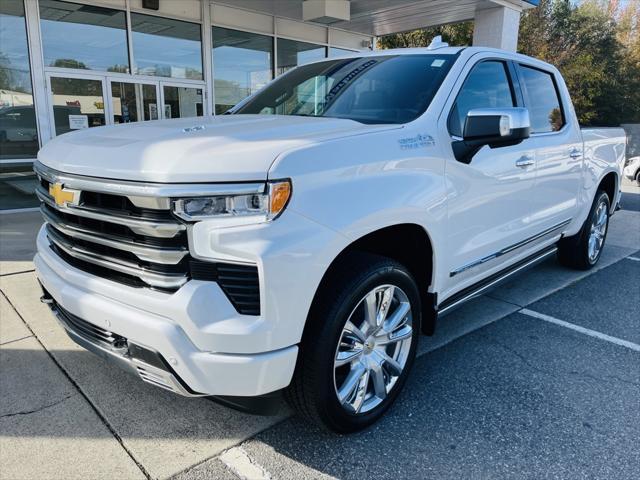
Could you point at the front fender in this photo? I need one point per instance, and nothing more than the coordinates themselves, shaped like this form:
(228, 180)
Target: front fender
(364, 183)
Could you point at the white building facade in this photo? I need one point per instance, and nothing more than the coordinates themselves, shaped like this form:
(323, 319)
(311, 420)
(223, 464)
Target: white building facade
(73, 64)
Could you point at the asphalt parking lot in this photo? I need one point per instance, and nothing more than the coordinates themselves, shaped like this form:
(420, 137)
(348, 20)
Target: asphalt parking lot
(538, 379)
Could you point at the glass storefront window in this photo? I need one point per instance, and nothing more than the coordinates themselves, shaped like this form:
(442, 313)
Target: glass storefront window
(18, 134)
(181, 102)
(133, 102)
(77, 103)
(83, 36)
(166, 48)
(242, 64)
(292, 53)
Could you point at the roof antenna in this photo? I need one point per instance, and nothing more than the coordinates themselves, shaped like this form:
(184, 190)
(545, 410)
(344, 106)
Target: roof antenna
(437, 43)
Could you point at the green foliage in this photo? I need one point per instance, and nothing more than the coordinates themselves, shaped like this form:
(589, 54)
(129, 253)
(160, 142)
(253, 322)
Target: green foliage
(454, 34)
(594, 43)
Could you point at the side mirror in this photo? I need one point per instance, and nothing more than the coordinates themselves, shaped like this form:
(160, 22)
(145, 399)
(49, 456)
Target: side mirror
(496, 127)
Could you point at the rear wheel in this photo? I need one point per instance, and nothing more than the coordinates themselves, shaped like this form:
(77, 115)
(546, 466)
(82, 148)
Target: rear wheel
(359, 344)
(583, 250)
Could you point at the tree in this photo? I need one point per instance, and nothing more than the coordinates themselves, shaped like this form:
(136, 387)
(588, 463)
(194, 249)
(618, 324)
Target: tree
(594, 43)
(454, 34)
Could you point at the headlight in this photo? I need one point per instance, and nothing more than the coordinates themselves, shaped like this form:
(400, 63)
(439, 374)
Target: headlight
(239, 209)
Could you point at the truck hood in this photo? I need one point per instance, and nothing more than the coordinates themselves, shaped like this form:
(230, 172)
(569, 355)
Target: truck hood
(228, 148)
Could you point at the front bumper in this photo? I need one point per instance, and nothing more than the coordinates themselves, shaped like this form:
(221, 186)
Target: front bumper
(192, 371)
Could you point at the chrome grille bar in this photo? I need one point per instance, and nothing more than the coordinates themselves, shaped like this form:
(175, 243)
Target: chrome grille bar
(160, 280)
(139, 226)
(168, 256)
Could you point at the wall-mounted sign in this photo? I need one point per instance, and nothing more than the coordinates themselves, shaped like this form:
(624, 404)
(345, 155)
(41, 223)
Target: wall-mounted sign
(78, 122)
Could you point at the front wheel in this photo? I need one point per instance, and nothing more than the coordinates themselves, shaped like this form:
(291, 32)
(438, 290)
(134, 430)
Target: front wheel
(583, 250)
(359, 344)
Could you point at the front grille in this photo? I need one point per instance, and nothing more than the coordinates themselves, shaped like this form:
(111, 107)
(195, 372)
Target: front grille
(134, 240)
(151, 250)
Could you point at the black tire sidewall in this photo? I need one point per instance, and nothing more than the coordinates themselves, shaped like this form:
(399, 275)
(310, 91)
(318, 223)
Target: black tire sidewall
(330, 410)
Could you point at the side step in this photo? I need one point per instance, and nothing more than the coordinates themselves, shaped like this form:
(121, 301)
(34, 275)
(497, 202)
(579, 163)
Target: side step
(493, 281)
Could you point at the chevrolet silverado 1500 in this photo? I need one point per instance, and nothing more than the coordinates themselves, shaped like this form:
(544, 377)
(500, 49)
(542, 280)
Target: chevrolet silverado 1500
(303, 241)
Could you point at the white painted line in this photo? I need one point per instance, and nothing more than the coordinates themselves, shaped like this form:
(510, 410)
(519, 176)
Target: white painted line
(578, 328)
(241, 464)
(635, 259)
(19, 210)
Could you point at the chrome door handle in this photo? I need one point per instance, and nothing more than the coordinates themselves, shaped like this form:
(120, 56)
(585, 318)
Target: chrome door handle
(575, 153)
(524, 161)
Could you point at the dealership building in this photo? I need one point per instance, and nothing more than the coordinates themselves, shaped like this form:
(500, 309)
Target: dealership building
(67, 65)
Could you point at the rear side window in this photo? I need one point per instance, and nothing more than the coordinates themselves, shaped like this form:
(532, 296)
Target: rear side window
(487, 86)
(543, 101)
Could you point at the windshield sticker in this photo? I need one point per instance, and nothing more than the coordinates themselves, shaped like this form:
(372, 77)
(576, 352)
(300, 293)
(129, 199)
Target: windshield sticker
(420, 140)
(437, 63)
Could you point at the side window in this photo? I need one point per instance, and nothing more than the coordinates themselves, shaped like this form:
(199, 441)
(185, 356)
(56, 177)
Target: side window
(542, 100)
(487, 86)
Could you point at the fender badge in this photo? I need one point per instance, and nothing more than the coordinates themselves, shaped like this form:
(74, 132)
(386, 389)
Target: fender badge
(419, 140)
(197, 128)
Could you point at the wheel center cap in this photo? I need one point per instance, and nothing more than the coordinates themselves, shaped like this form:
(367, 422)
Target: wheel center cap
(369, 345)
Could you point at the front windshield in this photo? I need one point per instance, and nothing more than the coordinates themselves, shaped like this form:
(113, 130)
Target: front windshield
(379, 89)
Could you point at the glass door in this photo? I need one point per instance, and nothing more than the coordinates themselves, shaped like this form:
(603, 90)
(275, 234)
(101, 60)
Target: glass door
(181, 101)
(76, 102)
(133, 102)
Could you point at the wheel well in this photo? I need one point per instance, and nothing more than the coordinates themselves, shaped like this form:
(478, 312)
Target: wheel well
(609, 184)
(408, 244)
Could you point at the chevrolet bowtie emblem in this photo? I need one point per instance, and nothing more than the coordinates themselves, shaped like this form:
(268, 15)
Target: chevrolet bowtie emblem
(63, 196)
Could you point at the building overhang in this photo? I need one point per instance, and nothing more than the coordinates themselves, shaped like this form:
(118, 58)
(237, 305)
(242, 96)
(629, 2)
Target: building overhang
(383, 17)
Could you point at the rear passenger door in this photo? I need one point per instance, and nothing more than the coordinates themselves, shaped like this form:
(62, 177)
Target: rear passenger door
(558, 145)
(489, 199)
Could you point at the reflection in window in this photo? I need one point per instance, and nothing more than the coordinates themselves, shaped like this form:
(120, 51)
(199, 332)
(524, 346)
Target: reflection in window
(133, 102)
(243, 63)
(487, 86)
(338, 52)
(17, 186)
(292, 53)
(166, 48)
(18, 134)
(543, 104)
(77, 104)
(181, 102)
(83, 36)
(381, 89)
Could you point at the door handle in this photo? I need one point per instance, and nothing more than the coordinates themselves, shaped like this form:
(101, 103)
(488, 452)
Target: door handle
(575, 153)
(524, 161)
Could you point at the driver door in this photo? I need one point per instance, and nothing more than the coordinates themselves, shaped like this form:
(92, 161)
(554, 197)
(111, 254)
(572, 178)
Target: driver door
(489, 199)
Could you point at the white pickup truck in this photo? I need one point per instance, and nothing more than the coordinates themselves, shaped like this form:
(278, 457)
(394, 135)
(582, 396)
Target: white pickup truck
(303, 241)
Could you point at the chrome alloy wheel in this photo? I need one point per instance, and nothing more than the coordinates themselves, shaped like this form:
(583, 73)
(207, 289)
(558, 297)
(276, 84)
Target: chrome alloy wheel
(598, 231)
(373, 349)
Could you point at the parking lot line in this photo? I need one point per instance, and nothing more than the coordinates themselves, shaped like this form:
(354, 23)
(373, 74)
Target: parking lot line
(635, 259)
(577, 328)
(239, 462)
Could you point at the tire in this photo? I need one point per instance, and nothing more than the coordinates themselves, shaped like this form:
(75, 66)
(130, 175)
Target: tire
(578, 251)
(638, 177)
(360, 280)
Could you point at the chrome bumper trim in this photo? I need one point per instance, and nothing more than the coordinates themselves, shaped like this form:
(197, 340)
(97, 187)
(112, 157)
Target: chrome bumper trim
(147, 373)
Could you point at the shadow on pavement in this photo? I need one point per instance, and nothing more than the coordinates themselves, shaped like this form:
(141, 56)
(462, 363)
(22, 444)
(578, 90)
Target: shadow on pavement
(516, 398)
